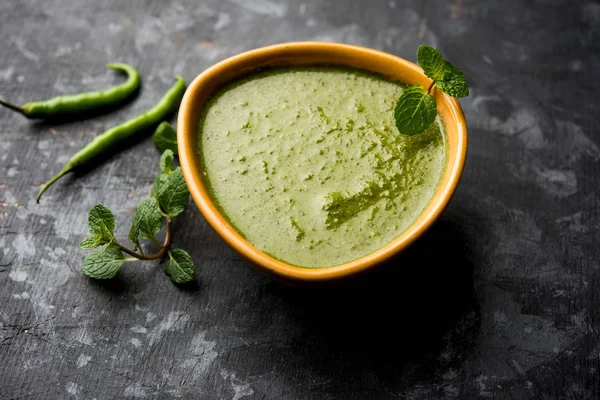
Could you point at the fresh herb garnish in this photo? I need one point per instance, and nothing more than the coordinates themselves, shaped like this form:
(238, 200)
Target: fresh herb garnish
(416, 108)
(165, 138)
(180, 266)
(169, 198)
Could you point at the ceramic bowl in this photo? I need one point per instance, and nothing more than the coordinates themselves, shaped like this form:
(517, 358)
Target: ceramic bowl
(315, 53)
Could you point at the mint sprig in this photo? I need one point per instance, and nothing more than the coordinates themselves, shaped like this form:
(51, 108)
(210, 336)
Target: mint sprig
(416, 108)
(168, 199)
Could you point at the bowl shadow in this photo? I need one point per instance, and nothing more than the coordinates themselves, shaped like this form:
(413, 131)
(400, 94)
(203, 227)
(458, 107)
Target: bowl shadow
(394, 322)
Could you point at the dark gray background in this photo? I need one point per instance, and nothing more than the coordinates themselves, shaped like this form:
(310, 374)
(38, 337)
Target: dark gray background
(499, 300)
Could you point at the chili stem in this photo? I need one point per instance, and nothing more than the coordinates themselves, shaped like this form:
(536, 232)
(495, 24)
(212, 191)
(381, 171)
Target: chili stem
(68, 168)
(12, 106)
(160, 253)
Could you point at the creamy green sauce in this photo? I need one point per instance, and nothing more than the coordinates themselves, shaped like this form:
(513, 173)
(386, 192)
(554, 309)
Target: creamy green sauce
(307, 164)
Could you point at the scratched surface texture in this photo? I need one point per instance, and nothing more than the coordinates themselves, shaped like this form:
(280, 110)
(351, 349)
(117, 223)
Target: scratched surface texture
(499, 300)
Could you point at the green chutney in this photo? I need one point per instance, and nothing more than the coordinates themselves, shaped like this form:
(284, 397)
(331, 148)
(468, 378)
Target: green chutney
(308, 165)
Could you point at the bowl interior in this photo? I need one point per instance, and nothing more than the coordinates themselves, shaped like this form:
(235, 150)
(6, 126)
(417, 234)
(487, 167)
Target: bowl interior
(315, 53)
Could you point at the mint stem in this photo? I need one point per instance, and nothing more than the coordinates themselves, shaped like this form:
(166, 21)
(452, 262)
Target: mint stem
(160, 253)
(430, 87)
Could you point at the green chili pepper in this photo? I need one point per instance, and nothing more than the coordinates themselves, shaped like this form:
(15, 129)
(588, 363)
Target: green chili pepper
(105, 141)
(82, 102)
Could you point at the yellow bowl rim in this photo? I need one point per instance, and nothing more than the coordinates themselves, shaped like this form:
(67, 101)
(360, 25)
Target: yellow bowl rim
(187, 134)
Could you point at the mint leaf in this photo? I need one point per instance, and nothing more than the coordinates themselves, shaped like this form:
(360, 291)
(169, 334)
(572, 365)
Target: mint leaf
(166, 167)
(165, 138)
(432, 62)
(134, 234)
(180, 266)
(92, 242)
(166, 161)
(104, 263)
(415, 110)
(147, 221)
(101, 222)
(453, 81)
(160, 178)
(173, 193)
(148, 218)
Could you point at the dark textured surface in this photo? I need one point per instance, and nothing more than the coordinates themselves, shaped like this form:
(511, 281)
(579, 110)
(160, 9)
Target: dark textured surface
(499, 300)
